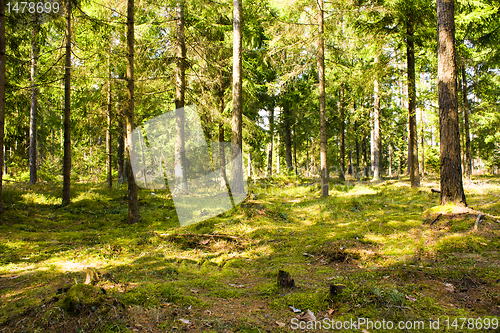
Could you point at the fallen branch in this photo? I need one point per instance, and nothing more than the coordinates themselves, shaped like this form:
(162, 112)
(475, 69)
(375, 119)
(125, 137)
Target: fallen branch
(489, 203)
(476, 225)
(435, 191)
(437, 218)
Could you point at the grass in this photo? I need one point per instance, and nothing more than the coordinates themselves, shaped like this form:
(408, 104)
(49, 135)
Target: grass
(382, 241)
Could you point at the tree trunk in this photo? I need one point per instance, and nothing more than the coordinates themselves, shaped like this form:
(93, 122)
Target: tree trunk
(295, 152)
(222, 154)
(322, 103)
(34, 103)
(2, 94)
(66, 197)
(365, 156)
(120, 148)
(278, 167)
(451, 169)
(390, 160)
(376, 132)
(288, 136)
(237, 124)
(270, 145)
(412, 118)
(133, 204)
(109, 160)
(356, 128)
(342, 134)
(180, 88)
(468, 154)
(422, 142)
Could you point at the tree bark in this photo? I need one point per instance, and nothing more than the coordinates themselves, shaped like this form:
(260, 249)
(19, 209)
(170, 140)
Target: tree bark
(180, 76)
(66, 196)
(34, 103)
(120, 148)
(342, 134)
(365, 156)
(133, 203)
(222, 154)
(356, 134)
(468, 154)
(376, 132)
(288, 136)
(412, 118)
(109, 160)
(322, 102)
(270, 145)
(2, 95)
(237, 123)
(451, 169)
(422, 142)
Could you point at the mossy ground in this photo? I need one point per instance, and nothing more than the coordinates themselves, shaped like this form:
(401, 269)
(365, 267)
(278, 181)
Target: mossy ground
(379, 240)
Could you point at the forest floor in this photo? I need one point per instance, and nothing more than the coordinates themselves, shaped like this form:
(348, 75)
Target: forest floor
(400, 256)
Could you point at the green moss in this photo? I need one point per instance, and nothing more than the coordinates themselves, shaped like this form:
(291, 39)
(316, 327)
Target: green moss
(82, 298)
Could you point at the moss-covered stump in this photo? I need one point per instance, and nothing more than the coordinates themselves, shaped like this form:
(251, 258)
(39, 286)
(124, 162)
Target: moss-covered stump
(82, 298)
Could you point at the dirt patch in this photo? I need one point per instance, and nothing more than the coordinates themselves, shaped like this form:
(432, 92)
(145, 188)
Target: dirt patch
(205, 241)
(343, 251)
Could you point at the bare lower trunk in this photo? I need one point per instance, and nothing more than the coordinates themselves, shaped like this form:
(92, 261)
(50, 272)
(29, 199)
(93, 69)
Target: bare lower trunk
(180, 151)
(412, 117)
(108, 131)
(468, 154)
(270, 145)
(133, 202)
(67, 112)
(237, 125)
(2, 94)
(342, 135)
(322, 102)
(120, 150)
(451, 170)
(34, 104)
(376, 132)
(288, 136)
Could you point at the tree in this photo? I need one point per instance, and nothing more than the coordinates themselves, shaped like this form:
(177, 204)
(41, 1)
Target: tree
(66, 197)
(237, 123)
(412, 95)
(34, 102)
(2, 95)
(133, 204)
(451, 169)
(376, 132)
(180, 88)
(322, 102)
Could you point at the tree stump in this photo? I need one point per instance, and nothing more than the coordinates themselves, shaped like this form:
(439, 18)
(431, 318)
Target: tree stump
(285, 280)
(336, 289)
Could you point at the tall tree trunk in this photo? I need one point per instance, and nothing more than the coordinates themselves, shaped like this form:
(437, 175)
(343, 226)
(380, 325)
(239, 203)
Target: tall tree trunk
(365, 156)
(133, 203)
(270, 145)
(180, 88)
(468, 154)
(295, 151)
(288, 136)
(422, 142)
(222, 154)
(356, 133)
(342, 134)
(412, 117)
(109, 160)
(278, 166)
(2, 94)
(237, 124)
(120, 148)
(451, 169)
(322, 102)
(66, 197)
(34, 103)
(376, 132)
(390, 160)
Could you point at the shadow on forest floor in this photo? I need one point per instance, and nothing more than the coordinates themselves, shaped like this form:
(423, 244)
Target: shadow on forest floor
(399, 255)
